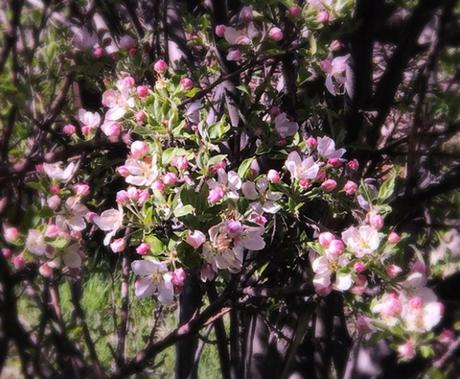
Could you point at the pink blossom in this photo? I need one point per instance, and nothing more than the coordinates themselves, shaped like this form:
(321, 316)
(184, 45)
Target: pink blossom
(394, 238)
(118, 245)
(407, 350)
(321, 176)
(123, 171)
(179, 276)
(304, 183)
(393, 270)
(81, 189)
(353, 165)
(10, 233)
(220, 30)
(234, 228)
(7, 253)
(55, 188)
(325, 239)
(359, 267)
(69, 129)
(52, 231)
(139, 149)
(46, 270)
(112, 130)
(195, 238)
(18, 261)
(133, 194)
(160, 66)
(143, 197)
(323, 17)
(273, 176)
(143, 248)
(180, 162)
(336, 248)
(186, 84)
(216, 195)
(376, 221)
(311, 142)
(275, 34)
(122, 197)
(170, 179)
(335, 162)
(234, 55)
(140, 117)
(294, 11)
(142, 91)
(158, 185)
(98, 52)
(350, 187)
(329, 185)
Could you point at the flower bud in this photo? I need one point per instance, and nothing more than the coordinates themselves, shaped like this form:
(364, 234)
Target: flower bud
(246, 14)
(52, 231)
(133, 194)
(128, 82)
(294, 11)
(69, 129)
(158, 185)
(325, 239)
(394, 238)
(234, 228)
(220, 30)
(353, 165)
(335, 162)
(350, 187)
(275, 34)
(143, 197)
(90, 216)
(195, 238)
(118, 245)
(393, 270)
(216, 195)
(98, 52)
(123, 171)
(234, 55)
(143, 248)
(323, 17)
(142, 91)
(18, 262)
(10, 233)
(81, 189)
(160, 66)
(336, 248)
(359, 267)
(122, 197)
(179, 276)
(45, 270)
(7, 253)
(186, 84)
(273, 176)
(55, 189)
(139, 149)
(170, 179)
(376, 221)
(406, 350)
(311, 142)
(304, 183)
(329, 185)
(139, 117)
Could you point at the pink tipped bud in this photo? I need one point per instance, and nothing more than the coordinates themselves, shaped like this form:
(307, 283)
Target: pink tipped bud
(90, 216)
(246, 14)
(407, 350)
(81, 189)
(376, 221)
(18, 262)
(39, 168)
(275, 34)
(139, 149)
(336, 248)
(132, 52)
(321, 176)
(304, 183)
(216, 195)
(329, 185)
(87, 130)
(323, 17)
(143, 197)
(123, 171)
(128, 82)
(359, 267)
(186, 84)
(55, 188)
(158, 185)
(52, 231)
(7, 253)
(393, 271)
(294, 11)
(160, 66)
(335, 162)
(220, 30)
(353, 165)
(394, 238)
(350, 187)
(179, 276)
(273, 176)
(98, 52)
(325, 239)
(118, 245)
(234, 228)
(69, 129)
(142, 91)
(46, 270)
(335, 45)
(10, 233)
(140, 117)
(122, 197)
(195, 239)
(170, 179)
(234, 55)
(143, 248)
(180, 162)
(311, 142)
(133, 194)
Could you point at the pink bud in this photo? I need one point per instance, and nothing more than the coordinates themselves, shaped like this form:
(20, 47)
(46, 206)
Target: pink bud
(10, 233)
(335, 45)
(90, 216)
(122, 197)
(170, 179)
(118, 245)
(160, 66)
(220, 30)
(234, 228)
(123, 171)
(234, 55)
(294, 11)
(143, 248)
(140, 117)
(46, 270)
(52, 231)
(142, 91)
(275, 34)
(350, 187)
(132, 52)
(127, 42)
(329, 185)
(273, 176)
(55, 189)
(39, 168)
(335, 162)
(325, 239)
(321, 176)
(353, 165)
(76, 234)
(186, 84)
(359, 267)
(216, 194)
(178, 277)
(323, 17)
(407, 350)
(18, 262)
(195, 239)
(258, 219)
(87, 130)
(376, 221)
(311, 142)
(143, 197)
(336, 248)
(98, 52)
(180, 162)
(246, 14)
(69, 129)
(446, 336)
(393, 270)
(133, 194)
(128, 82)
(7, 253)
(81, 189)
(139, 149)
(394, 238)
(304, 183)
(158, 185)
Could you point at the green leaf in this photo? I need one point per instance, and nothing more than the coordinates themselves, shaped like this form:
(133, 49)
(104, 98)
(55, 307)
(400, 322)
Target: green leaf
(59, 243)
(244, 167)
(184, 210)
(387, 188)
(156, 245)
(188, 255)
